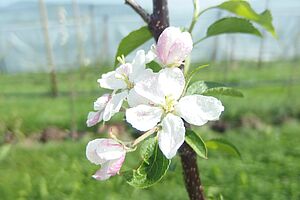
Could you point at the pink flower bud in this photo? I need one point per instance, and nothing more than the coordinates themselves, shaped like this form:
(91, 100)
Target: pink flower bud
(109, 154)
(173, 46)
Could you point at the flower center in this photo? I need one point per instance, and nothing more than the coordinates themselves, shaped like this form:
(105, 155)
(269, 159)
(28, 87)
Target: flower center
(169, 105)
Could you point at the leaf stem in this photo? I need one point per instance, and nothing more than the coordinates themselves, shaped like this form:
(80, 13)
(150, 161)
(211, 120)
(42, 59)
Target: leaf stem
(144, 136)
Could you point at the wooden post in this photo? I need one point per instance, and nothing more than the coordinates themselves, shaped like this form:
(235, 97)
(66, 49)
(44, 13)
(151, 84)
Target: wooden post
(105, 40)
(157, 22)
(48, 46)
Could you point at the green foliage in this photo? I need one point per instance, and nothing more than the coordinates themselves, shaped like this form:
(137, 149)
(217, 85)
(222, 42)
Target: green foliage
(132, 41)
(212, 88)
(243, 9)
(154, 66)
(197, 143)
(223, 145)
(232, 25)
(152, 169)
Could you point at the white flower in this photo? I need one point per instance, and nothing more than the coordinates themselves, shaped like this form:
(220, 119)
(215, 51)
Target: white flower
(127, 75)
(109, 154)
(105, 107)
(164, 91)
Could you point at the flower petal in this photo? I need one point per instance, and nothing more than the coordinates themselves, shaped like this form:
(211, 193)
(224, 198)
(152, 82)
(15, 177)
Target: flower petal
(101, 102)
(91, 154)
(124, 70)
(143, 117)
(171, 136)
(171, 82)
(102, 150)
(180, 49)
(149, 88)
(109, 81)
(150, 56)
(94, 118)
(198, 109)
(109, 169)
(109, 149)
(114, 105)
(165, 42)
(134, 99)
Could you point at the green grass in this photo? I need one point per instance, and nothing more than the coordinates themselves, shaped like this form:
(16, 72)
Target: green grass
(269, 170)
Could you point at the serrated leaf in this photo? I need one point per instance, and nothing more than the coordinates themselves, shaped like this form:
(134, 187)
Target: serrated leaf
(151, 170)
(147, 148)
(212, 88)
(232, 25)
(196, 142)
(132, 41)
(223, 145)
(243, 9)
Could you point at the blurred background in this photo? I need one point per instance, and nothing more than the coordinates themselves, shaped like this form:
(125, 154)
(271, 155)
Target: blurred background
(53, 51)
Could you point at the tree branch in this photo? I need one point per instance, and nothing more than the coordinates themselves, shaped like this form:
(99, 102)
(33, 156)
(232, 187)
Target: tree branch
(138, 9)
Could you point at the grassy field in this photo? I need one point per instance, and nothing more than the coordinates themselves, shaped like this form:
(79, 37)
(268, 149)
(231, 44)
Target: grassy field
(264, 125)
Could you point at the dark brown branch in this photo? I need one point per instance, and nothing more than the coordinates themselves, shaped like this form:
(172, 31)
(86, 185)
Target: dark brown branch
(138, 9)
(190, 172)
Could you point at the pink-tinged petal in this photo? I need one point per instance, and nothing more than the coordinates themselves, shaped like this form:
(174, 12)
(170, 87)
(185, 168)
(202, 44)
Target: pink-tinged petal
(109, 149)
(109, 169)
(143, 117)
(94, 118)
(171, 82)
(91, 153)
(101, 102)
(165, 42)
(180, 49)
(199, 109)
(171, 136)
(110, 81)
(114, 105)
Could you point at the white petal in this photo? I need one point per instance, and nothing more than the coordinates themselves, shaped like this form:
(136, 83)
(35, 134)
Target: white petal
(101, 102)
(134, 99)
(94, 118)
(149, 88)
(91, 151)
(114, 105)
(171, 136)
(102, 150)
(171, 81)
(109, 81)
(124, 70)
(151, 55)
(143, 117)
(109, 149)
(198, 109)
(138, 65)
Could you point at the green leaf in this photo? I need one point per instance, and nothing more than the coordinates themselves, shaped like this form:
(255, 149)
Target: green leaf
(154, 66)
(223, 145)
(152, 169)
(212, 88)
(243, 9)
(232, 25)
(195, 71)
(196, 142)
(132, 41)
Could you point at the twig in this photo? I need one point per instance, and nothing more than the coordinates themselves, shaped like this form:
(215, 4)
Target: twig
(138, 9)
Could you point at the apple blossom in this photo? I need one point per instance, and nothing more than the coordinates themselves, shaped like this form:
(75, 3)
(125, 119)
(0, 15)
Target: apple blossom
(109, 154)
(105, 107)
(127, 75)
(173, 46)
(164, 90)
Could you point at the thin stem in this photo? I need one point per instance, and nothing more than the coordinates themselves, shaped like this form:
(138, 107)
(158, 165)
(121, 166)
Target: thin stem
(198, 41)
(144, 136)
(195, 16)
(138, 9)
